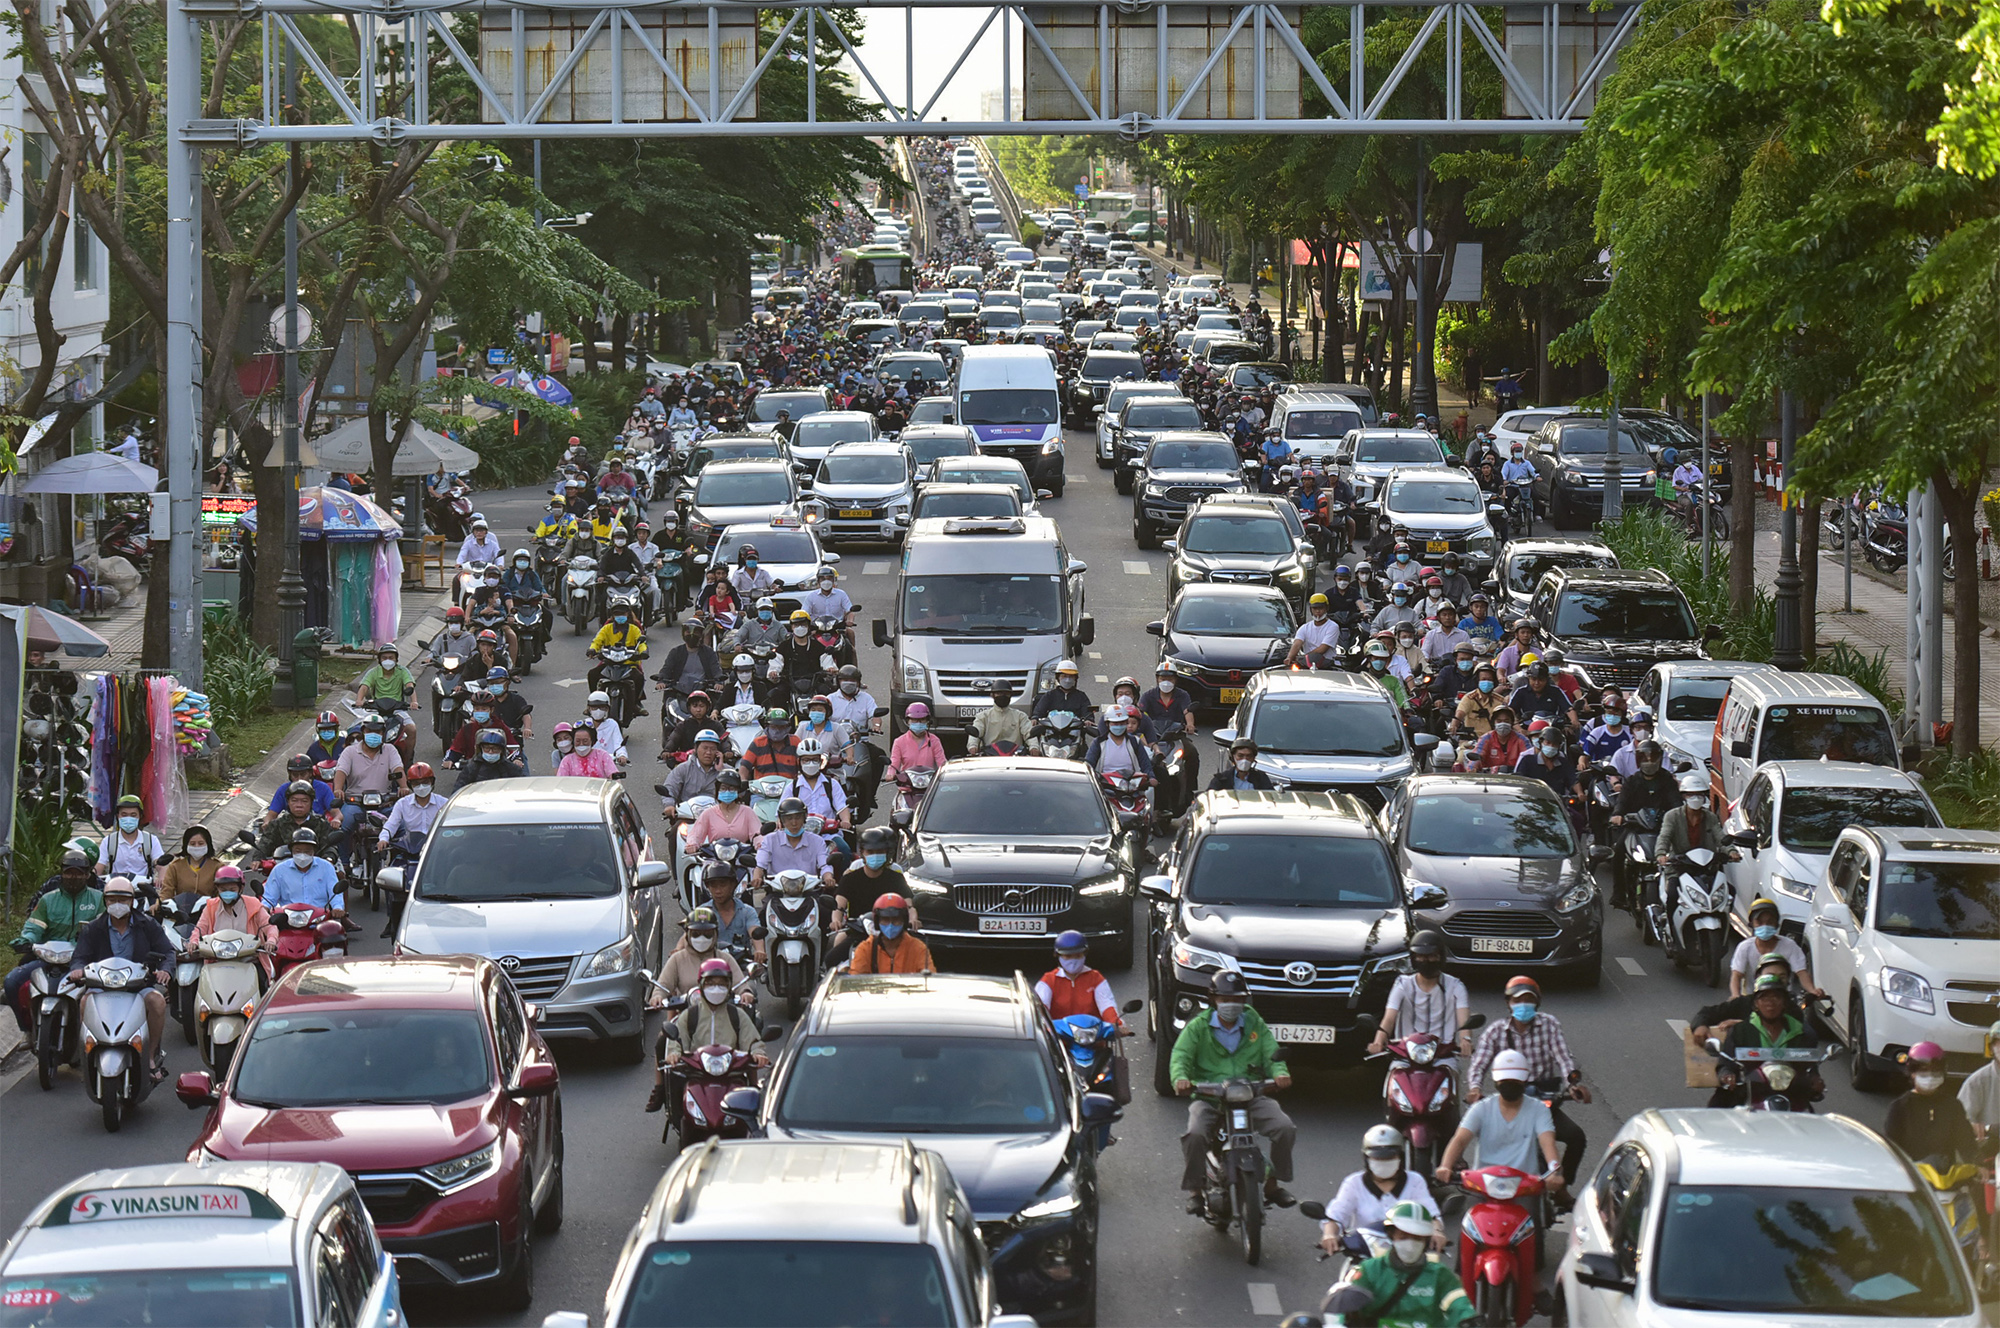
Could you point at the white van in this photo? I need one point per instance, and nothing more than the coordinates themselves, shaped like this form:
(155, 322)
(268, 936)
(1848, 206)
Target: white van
(1007, 396)
(1795, 717)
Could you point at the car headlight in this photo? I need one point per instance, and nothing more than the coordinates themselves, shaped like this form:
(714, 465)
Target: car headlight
(921, 885)
(463, 1171)
(914, 678)
(1577, 896)
(1571, 475)
(1103, 885)
(1907, 991)
(1480, 543)
(1181, 666)
(1188, 955)
(1051, 447)
(1045, 675)
(1061, 1205)
(1293, 574)
(1785, 885)
(1397, 964)
(1155, 490)
(613, 958)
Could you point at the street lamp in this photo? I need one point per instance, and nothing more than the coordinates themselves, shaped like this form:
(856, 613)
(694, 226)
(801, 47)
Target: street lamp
(1614, 467)
(1787, 649)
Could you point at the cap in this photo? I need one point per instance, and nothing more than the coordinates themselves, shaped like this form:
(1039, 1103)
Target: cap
(1230, 983)
(1510, 1065)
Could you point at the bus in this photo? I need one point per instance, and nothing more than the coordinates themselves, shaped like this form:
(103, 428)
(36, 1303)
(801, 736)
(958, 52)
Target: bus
(873, 268)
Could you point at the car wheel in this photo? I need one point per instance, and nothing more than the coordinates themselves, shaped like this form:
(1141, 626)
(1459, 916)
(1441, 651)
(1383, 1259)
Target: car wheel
(628, 1050)
(1118, 954)
(1103, 462)
(516, 1291)
(1861, 1071)
(1163, 1045)
(550, 1218)
(1142, 534)
(1589, 973)
(1057, 485)
(1122, 481)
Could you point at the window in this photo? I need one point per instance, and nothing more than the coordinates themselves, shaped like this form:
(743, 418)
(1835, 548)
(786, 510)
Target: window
(983, 603)
(865, 468)
(83, 252)
(1320, 424)
(1756, 809)
(743, 488)
(510, 1029)
(1328, 728)
(483, 863)
(168, 1296)
(1696, 700)
(797, 1282)
(1814, 817)
(1007, 405)
(1645, 615)
(1830, 732)
(1859, 885)
(1614, 1182)
(1505, 825)
(1236, 535)
(338, 1273)
(1629, 1237)
(912, 1083)
(1013, 809)
(1940, 899)
(310, 1058)
(1233, 615)
(1292, 870)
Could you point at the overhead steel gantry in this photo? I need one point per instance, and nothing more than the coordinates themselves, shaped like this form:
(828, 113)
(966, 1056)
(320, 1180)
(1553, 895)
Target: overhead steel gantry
(685, 70)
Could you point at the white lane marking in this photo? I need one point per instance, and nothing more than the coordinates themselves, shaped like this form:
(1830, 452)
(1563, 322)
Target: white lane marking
(1631, 966)
(1264, 1299)
(1680, 1027)
(1100, 677)
(1093, 654)
(877, 568)
(570, 682)
(1135, 568)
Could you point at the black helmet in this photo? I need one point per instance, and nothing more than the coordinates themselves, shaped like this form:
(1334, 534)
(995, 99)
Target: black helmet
(300, 765)
(1230, 983)
(719, 871)
(791, 807)
(304, 835)
(75, 860)
(298, 788)
(1646, 749)
(878, 839)
(849, 673)
(1427, 941)
(729, 777)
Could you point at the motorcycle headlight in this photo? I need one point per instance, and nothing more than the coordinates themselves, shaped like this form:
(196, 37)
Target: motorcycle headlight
(463, 1171)
(1907, 991)
(716, 1063)
(1779, 1076)
(1423, 1053)
(1399, 1099)
(1577, 895)
(1785, 885)
(1187, 955)
(914, 677)
(613, 958)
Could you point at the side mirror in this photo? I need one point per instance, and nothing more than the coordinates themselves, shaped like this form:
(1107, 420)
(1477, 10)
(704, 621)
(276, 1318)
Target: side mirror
(1313, 1209)
(538, 1079)
(1157, 627)
(1740, 749)
(1100, 1109)
(1044, 493)
(570, 1319)
(1097, 410)
(653, 874)
(1133, 1006)
(660, 789)
(391, 879)
(1474, 1021)
(1423, 742)
(1130, 821)
(742, 1103)
(1746, 838)
(900, 818)
(1086, 630)
(1223, 737)
(1426, 895)
(701, 560)
(759, 933)
(1156, 887)
(1600, 854)
(1712, 632)
(879, 629)
(1602, 1272)
(829, 556)
(195, 1088)
(1137, 463)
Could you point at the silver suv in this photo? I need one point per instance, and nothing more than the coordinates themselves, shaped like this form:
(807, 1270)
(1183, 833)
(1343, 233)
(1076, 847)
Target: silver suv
(867, 490)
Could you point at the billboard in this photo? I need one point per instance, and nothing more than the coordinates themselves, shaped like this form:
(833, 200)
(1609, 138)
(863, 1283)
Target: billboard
(1466, 286)
(677, 38)
(1192, 33)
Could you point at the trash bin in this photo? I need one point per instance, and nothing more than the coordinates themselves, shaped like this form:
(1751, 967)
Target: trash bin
(305, 670)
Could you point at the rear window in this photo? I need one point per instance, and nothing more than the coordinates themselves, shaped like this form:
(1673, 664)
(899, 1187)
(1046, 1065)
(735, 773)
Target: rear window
(1829, 732)
(1321, 423)
(1112, 365)
(809, 1284)
(1166, 415)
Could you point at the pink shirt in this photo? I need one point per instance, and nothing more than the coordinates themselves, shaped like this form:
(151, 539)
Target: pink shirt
(909, 751)
(594, 764)
(736, 821)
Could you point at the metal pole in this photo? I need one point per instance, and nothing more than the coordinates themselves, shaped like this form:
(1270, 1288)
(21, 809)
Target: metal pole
(1422, 399)
(291, 584)
(182, 424)
(1787, 650)
(1702, 495)
(1614, 463)
(1926, 575)
(1847, 551)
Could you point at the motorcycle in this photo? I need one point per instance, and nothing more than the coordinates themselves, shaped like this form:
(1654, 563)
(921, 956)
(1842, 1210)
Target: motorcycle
(1419, 1094)
(1636, 870)
(910, 786)
(795, 941)
(530, 621)
(448, 511)
(226, 995)
(707, 1075)
(1500, 1243)
(367, 832)
(399, 730)
(621, 677)
(1174, 771)
(1961, 1197)
(1356, 1247)
(742, 724)
(1774, 1078)
(447, 695)
(112, 1012)
(549, 558)
(469, 578)
(177, 917)
(55, 1031)
(765, 795)
(125, 538)
(1099, 1064)
(668, 577)
(1232, 1191)
(622, 591)
(1059, 736)
(740, 855)
(1697, 932)
(1128, 794)
(579, 592)
(306, 932)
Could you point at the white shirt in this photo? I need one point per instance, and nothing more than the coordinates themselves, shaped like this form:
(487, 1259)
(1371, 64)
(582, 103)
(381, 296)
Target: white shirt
(823, 797)
(610, 737)
(472, 551)
(857, 710)
(410, 815)
(133, 858)
(1434, 1012)
(1312, 634)
(1357, 1204)
(1747, 956)
(833, 604)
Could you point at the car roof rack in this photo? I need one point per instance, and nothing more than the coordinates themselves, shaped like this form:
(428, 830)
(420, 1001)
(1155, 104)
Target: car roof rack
(910, 1182)
(985, 525)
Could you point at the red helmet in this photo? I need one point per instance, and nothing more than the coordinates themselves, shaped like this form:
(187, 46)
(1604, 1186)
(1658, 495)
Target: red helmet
(1524, 983)
(891, 901)
(421, 770)
(488, 637)
(713, 968)
(328, 720)
(454, 612)
(228, 876)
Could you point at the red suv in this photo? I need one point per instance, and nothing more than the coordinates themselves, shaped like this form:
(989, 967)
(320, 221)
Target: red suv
(348, 1061)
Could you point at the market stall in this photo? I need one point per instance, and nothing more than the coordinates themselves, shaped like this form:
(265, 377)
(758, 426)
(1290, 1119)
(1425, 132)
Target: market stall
(348, 556)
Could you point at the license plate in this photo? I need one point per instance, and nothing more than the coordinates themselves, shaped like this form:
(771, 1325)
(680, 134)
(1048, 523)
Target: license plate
(1502, 945)
(1229, 695)
(861, 512)
(1013, 926)
(1437, 546)
(1321, 1033)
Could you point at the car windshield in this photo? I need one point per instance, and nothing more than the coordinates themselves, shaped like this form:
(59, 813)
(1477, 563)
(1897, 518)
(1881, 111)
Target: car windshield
(1012, 476)
(699, 458)
(1633, 615)
(983, 604)
(1321, 423)
(1812, 818)
(1795, 1252)
(930, 446)
(1960, 900)
(1164, 415)
(912, 1084)
(826, 432)
(764, 410)
(1232, 615)
(477, 862)
(869, 468)
(1697, 700)
(1226, 354)
(911, 370)
(1237, 534)
(743, 488)
(934, 504)
(1588, 440)
(1115, 364)
(808, 1284)
(1830, 732)
(1192, 456)
(302, 1057)
(1436, 497)
(922, 311)
(1000, 316)
(1490, 825)
(1018, 809)
(1382, 451)
(1524, 572)
(1292, 870)
(1007, 405)
(1327, 728)
(774, 547)
(1260, 375)
(161, 1297)
(931, 410)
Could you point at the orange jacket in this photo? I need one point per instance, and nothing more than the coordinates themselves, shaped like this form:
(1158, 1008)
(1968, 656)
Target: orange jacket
(910, 955)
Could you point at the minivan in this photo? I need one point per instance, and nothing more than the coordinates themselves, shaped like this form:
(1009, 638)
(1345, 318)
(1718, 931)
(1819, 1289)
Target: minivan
(981, 599)
(1314, 423)
(1008, 397)
(1796, 717)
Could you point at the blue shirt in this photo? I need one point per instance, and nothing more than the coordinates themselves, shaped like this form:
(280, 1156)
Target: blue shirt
(1230, 1038)
(1601, 743)
(322, 798)
(521, 585)
(316, 885)
(125, 944)
(1518, 472)
(1481, 631)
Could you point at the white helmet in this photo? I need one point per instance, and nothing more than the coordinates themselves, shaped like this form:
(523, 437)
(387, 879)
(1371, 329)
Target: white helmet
(1382, 1141)
(1066, 666)
(809, 749)
(743, 662)
(599, 697)
(1693, 782)
(1510, 1065)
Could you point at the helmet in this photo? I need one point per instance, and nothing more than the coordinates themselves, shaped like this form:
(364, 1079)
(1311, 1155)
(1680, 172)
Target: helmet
(791, 807)
(1693, 783)
(492, 738)
(1433, 580)
(891, 903)
(1382, 1141)
(878, 839)
(849, 673)
(298, 788)
(718, 871)
(1646, 747)
(700, 918)
(562, 726)
(387, 648)
(327, 720)
(1510, 1065)
(489, 637)
(801, 616)
(1763, 906)
(1127, 681)
(1992, 1040)
(599, 697)
(747, 551)
(698, 695)
(1523, 985)
(713, 968)
(918, 710)
(809, 750)
(1065, 666)
(421, 770)
(454, 613)
(1412, 1218)
(1317, 601)
(1342, 570)
(1669, 455)
(819, 699)
(1427, 942)
(520, 554)
(829, 573)
(1777, 982)
(227, 876)
(1070, 942)
(1379, 650)
(1230, 983)
(743, 662)
(691, 627)
(304, 836)
(498, 674)
(1538, 670)
(777, 715)
(729, 777)
(74, 860)
(299, 766)
(708, 735)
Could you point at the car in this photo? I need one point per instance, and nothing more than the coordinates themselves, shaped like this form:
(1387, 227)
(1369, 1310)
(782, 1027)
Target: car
(1223, 349)
(967, 500)
(1612, 624)
(1315, 424)
(1491, 862)
(925, 312)
(1729, 1217)
(1100, 368)
(854, 309)
(1137, 298)
(1569, 455)
(1521, 426)
(1685, 696)
(1660, 430)
(870, 1231)
(1359, 393)
(999, 318)
(1045, 335)
(813, 438)
(790, 549)
(738, 493)
(1177, 473)
(929, 444)
(1326, 731)
(427, 1079)
(1214, 636)
(1218, 320)
(985, 469)
(1297, 891)
(1141, 415)
(867, 490)
(1113, 338)
(929, 410)
(1083, 330)
(1042, 310)
(1778, 716)
(991, 299)
(972, 1066)
(798, 402)
(1518, 568)
(554, 880)
(1136, 319)
(1444, 511)
(914, 367)
(1366, 457)
(1256, 375)
(263, 1242)
(1245, 543)
(1787, 820)
(725, 447)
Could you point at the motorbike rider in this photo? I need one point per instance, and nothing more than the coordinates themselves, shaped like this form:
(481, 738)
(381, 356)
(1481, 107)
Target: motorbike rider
(386, 677)
(762, 628)
(586, 760)
(696, 776)
(712, 1021)
(1241, 773)
(1764, 939)
(1549, 761)
(1540, 696)
(1539, 1039)
(1437, 1002)
(775, 751)
(1073, 986)
(486, 601)
(1457, 585)
(479, 545)
(371, 766)
(1686, 826)
(730, 817)
(1000, 723)
(453, 640)
(1473, 716)
(1649, 788)
(1065, 695)
(916, 747)
(129, 850)
(1121, 751)
(57, 916)
(1625, 761)
(1347, 601)
(700, 719)
(233, 910)
(1717, 1019)
(1162, 705)
(891, 947)
(819, 791)
(799, 654)
(738, 927)
(557, 521)
(304, 877)
(1511, 655)
(489, 761)
(1404, 1286)
(792, 847)
(749, 579)
(1317, 639)
(520, 584)
(828, 600)
(1772, 1024)
(124, 931)
(1396, 612)
(610, 736)
(298, 815)
(689, 666)
(1513, 1129)
(1231, 1041)
(872, 873)
(744, 686)
(619, 560)
(192, 872)
(1366, 1197)
(1606, 738)
(1442, 641)
(1479, 622)
(415, 812)
(1980, 1093)
(478, 717)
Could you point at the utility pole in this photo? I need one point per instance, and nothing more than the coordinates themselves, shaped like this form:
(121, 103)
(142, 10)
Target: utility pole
(1787, 650)
(1423, 391)
(1701, 495)
(181, 444)
(291, 584)
(1614, 463)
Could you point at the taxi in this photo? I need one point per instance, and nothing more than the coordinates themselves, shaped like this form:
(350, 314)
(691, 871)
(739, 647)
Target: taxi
(277, 1243)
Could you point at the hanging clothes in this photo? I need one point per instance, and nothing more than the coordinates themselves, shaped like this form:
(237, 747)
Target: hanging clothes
(388, 591)
(103, 748)
(353, 599)
(166, 786)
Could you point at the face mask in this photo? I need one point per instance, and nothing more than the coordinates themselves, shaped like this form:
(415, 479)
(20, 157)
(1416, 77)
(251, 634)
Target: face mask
(1402, 557)
(809, 768)
(497, 688)
(919, 727)
(715, 995)
(1486, 684)
(1927, 1083)
(620, 542)
(826, 587)
(373, 739)
(1765, 933)
(478, 717)
(890, 930)
(1503, 728)
(749, 564)
(1342, 582)
(1231, 1011)
(1379, 665)
(74, 885)
(1070, 964)
(702, 943)
(128, 823)
(490, 757)
(564, 745)
(229, 896)
(1464, 665)
(817, 716)
(1551, 751)
(1650, 767)
(1166, 687)
(1434, 594)
(876, 861)
(493, 580)
(302, 859)
(197, 851)
(1428, 968)
(599, 712)
(849, 688)
(1697, 803)
(1409, 1251)
(117, 910)
(800, 632)
(520, 564)
(621, 619)
(583, 748)
(328, 735)
(1382, 1168)
(1524, 1011)
(388, 663)
(1117, 730)
(422, 790)
(725, 795)
(1614, 721)
(1405, 642)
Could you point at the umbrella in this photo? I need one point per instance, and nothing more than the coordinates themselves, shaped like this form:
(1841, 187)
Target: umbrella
(548, 389)
(336, 514)
(94, 472)
(422, 451)
(52, 631)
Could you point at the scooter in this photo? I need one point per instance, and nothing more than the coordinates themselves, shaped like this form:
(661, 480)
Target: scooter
(1419, 1094)
(623, 591)
(1233, 1187)
(621, 676)
(177, 917)
(1774, 1078)
(910, 786)
(226, 995)
(1697, 933)
(742, 724)
(112, 1011)
(1096, 1059)
(738, 854)
(1059, 736)
(124, 538)
(306, 932)
(1961, 1198)
(449, 511)
(530, 621)
(56, 1031)
(795, 941)
(1127, 793)
(467, 581)
(1356, 1247)
(367, 831)
(580, 592)
(1500, 1244)
(447, 694)
(1636, 868)
(765, 795)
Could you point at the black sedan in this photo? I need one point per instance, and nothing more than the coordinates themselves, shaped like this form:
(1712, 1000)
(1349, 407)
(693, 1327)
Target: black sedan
(1215, 636)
